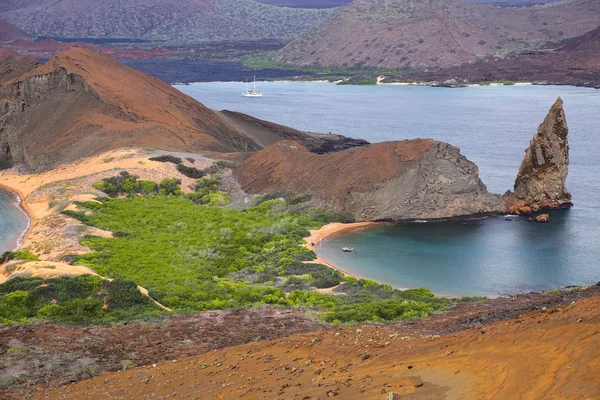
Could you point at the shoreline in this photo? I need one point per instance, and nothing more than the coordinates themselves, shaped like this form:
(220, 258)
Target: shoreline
(332, 229)
(21, 205)
(400, 83)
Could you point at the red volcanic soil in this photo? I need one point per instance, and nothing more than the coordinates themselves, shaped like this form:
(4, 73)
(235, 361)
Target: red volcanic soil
(82, 103)
(197, 334)
(553, 353)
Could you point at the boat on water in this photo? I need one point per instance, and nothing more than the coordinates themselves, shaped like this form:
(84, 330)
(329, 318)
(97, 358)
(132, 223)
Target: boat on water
(347, 249)
(254, 92)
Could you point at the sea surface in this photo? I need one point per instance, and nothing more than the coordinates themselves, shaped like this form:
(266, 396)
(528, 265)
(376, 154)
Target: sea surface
(13, 221)
(492, 125)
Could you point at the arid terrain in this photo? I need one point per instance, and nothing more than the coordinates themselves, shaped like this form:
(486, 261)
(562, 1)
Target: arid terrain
(306, 3)
(575, 62)
(161, 20)
(435, 34)
(88, 103)
(383, 181)
(552, 354)
(53, 363)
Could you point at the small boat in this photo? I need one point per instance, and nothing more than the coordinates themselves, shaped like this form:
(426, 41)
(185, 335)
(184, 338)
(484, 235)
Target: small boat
(347, 249)
(254, 92)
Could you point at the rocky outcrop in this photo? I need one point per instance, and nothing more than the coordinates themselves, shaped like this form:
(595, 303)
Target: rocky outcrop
(405, 180)
(540, 182)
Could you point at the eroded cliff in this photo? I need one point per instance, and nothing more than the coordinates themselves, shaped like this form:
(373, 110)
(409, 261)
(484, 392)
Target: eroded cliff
(82, 103)
(405, 180)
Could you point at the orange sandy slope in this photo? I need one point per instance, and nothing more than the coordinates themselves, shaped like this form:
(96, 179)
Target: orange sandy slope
(551, 354)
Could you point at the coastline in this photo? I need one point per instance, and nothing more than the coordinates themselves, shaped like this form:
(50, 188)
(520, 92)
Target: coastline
(334, 228)
(22, 205)
(23, 185)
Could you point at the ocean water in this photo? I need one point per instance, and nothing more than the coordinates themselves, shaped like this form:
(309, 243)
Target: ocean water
(13, 221)
(492, 126)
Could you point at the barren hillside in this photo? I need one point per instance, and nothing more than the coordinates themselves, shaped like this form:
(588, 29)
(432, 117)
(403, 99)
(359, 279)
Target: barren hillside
(576, 62)
(551, 354)
(81, 103)
(165, 20)
(400, 180)
(434, 33)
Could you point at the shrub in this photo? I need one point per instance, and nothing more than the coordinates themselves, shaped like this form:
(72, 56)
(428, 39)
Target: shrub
(190, 172)
(170, 186)
(224, 164)
(323, 276)
(300, 198)
(84, 368)
(18, 255)
(124, 183)
(123, 294)
(26, 255)
(167, 158)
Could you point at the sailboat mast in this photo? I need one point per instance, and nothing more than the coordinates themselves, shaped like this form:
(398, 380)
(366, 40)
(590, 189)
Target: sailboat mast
(255, 83)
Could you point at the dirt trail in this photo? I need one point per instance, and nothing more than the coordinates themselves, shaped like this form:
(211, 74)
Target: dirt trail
(551, 354)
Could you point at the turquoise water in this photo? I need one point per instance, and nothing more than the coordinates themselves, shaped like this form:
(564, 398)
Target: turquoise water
(492, 125)
(13, 221)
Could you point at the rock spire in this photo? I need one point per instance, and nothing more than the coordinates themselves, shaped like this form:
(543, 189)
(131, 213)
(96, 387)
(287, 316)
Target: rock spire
(541, 178)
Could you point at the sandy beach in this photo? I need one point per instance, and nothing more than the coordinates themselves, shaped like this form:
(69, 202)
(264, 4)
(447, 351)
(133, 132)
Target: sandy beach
(332, 229)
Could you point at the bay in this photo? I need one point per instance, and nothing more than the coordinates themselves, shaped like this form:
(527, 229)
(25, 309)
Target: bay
(492, 125)
(13, 221)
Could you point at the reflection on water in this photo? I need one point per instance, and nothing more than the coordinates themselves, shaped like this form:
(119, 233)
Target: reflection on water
(489, 256)
(13, 221)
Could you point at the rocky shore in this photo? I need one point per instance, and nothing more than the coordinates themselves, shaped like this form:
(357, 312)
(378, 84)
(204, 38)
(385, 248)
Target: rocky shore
(413, 179)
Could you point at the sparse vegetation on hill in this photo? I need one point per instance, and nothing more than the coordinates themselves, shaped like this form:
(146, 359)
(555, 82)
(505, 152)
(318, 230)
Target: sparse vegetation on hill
(183, 21)
(424, 34)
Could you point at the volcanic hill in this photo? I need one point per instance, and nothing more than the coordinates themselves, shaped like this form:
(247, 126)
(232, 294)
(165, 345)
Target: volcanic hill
(82, 103)
(573, 62)
(180, 21)
(410, 179)
(410, 34)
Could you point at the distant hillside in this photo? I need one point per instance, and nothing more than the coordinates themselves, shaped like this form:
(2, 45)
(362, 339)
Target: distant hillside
(575, 62)
(10, 33)
(421, 34)
(513, 3)
(174, 21)
(81, 103)
(306, 3)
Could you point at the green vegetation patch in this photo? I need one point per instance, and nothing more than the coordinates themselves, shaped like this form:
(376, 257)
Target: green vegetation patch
(82, 300)
(183, 252)
(356, 75)
(124, 183)
(167, 158)
(193, 253)
(365, 300)
(18, 255)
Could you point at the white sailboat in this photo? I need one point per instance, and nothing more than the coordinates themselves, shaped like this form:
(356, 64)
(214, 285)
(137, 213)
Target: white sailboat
(254, 92)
